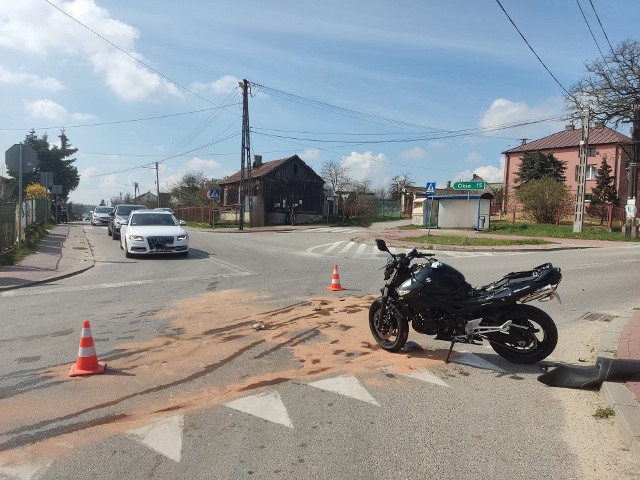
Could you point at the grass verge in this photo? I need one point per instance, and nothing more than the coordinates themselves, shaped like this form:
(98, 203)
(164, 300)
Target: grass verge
(469, 241)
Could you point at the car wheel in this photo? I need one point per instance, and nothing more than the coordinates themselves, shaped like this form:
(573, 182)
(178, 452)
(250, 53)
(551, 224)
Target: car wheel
(115, 236)
(126, 250)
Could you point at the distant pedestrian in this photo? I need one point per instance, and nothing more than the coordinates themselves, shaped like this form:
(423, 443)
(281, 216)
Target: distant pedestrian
(294, 213)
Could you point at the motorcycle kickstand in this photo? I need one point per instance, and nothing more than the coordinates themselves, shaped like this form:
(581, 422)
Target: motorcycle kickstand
(450, 349)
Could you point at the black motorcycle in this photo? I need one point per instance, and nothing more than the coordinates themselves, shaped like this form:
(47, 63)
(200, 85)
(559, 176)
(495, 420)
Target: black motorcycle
(437, 300)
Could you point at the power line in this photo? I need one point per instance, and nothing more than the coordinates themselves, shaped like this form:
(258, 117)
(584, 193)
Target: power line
(590, 31)
(537, 56)
(116, 122)
(601, 27)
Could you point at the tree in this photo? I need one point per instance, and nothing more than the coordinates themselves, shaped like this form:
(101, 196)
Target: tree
(34, 191)
(396, 184)
(55, 160)
(335, 175)
(611, 87)
(191, 190)
(545, 200)
(536, 165)
(603, 193)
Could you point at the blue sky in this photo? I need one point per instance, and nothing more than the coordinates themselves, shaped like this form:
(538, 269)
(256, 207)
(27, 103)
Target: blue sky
(376, 85)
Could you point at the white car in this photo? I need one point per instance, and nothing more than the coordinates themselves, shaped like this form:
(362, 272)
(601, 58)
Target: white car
(151, 232)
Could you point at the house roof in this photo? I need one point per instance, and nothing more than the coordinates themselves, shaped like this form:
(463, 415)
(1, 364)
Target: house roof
(265, 169)
(571, 138)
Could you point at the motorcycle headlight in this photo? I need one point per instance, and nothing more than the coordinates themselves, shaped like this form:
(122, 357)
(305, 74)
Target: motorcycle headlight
(402, 292)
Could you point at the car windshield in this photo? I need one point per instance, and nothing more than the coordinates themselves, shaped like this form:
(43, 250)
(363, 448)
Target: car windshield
(125, 210)
(103, 209)
(154, 219)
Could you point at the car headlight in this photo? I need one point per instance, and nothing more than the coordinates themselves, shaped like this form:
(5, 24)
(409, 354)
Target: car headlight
(121, 221)
(183, 237)
(137, 238)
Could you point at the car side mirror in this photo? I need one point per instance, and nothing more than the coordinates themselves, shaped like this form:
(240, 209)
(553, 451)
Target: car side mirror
(182, 222)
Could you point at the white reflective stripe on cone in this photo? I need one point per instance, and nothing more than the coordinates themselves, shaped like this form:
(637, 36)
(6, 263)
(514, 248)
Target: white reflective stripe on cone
(87, 351)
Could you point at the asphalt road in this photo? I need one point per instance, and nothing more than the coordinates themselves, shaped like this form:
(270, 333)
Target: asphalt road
(185, 398)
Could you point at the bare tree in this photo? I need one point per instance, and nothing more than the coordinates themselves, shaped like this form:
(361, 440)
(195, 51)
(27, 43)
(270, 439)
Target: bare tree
(335, 175)
(396, 184)
(611, 87)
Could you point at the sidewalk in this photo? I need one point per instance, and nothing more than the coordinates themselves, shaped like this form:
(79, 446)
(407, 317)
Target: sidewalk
(65, 251)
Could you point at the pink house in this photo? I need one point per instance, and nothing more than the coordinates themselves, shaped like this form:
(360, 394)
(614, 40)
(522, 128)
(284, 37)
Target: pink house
(565, 146)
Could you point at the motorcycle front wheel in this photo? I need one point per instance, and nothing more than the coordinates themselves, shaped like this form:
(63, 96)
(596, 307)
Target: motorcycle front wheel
(390, 333)
(532, 338)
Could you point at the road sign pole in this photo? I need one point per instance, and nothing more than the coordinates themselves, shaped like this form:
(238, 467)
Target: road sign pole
(20, 200)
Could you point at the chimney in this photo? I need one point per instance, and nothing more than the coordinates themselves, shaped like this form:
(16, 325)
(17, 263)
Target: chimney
(598, 125)
(570, 127)
(448, 184)
(257, 161)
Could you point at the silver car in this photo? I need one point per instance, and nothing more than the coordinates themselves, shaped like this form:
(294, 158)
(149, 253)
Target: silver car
(100, 215)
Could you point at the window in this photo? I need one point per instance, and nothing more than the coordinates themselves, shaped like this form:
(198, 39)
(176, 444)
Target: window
(590, 172)
(591, 151)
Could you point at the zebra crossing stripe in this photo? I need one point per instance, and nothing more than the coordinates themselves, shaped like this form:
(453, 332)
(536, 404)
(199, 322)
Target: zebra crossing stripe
(348, 386)
(473, 360)
(267, 406)
(346, 248)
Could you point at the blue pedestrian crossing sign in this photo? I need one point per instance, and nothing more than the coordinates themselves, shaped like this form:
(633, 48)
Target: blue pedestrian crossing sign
(430, 188)
(213, 194)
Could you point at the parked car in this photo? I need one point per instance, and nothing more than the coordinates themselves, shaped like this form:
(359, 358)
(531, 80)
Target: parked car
(150, 232)
(119, 216)
(100, 215)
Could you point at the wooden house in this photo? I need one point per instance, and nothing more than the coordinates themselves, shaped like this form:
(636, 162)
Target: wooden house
(275, 186)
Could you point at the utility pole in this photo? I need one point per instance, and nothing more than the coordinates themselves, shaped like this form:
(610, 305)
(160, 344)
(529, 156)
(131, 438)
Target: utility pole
(245, 155)
(157, 185)
(582, 168)
(633, 164)
(631, 222)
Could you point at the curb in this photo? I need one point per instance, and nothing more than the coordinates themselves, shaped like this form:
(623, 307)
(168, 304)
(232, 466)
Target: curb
(616, 395)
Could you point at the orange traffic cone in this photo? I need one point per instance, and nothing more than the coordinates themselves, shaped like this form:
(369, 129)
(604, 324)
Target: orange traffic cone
(87, 363)
(335, 280)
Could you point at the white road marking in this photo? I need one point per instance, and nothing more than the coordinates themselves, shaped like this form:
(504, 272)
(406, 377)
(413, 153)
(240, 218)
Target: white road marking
(163, 436)
(268, 406)
(473, 360)
(25, 471)
(425, 376)
(346, 385)
(100, 286)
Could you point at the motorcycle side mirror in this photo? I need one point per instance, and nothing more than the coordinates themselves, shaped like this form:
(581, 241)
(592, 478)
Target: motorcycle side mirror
(382, 245)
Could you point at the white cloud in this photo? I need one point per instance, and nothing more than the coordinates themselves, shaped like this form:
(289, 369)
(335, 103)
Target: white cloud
(28, 79)
(414, 153)
(46, 109)
(225, 84)
(56, 34)
(504, 112)
(49, 110)
(310, 154)
(210, 168)
(368, 166)
(489, 173)
(474, 157)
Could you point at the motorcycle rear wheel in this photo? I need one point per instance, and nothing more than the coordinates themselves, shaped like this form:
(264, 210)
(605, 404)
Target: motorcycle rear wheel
(526, 346)
(390, 332)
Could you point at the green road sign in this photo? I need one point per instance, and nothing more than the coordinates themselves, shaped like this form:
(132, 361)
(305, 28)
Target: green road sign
(468, 186)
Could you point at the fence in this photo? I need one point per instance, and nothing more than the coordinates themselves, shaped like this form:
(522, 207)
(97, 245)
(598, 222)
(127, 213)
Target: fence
(34, 211)
(229, 214)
